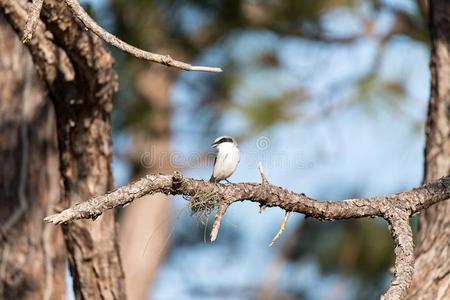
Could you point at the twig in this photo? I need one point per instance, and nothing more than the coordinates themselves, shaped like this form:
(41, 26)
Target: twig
(111, 39)
(282, 228)
(263, 207)
(218, 220)
(33, 16)
(261, 172)
(264, 181)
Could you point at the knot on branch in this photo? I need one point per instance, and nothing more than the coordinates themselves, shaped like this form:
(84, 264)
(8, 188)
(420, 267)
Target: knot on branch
(177, 179)
(166, 60)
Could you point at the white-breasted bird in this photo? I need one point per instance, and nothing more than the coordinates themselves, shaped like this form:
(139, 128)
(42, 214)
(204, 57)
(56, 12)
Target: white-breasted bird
(227, 158)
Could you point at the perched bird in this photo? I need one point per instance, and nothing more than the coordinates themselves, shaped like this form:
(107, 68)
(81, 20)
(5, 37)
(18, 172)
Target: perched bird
(227, 158)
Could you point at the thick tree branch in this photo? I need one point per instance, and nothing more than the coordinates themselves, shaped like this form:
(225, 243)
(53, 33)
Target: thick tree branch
(81, 14)
(395, 209)
(265, 194)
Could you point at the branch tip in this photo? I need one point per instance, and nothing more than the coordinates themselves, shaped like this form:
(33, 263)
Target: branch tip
(55, 219)
(282, 228)
(111, 39)
(218, 220)
(262, 208)
(261, 172)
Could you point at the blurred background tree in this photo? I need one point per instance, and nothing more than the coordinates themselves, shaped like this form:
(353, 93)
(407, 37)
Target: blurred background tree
(333, 87)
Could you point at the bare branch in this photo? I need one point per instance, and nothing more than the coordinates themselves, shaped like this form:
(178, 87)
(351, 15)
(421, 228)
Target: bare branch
(282, 228)
(217, 221)
(264, 181)
(404, 255)
(111, 39)
(396, 209)
(33, 16)
(261, 172)
(263, 207)
(269, 195)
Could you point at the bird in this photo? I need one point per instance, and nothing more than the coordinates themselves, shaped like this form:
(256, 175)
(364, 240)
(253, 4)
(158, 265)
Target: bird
(226, 160)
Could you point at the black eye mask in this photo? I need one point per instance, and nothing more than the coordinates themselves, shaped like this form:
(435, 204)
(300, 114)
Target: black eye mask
(225, 140)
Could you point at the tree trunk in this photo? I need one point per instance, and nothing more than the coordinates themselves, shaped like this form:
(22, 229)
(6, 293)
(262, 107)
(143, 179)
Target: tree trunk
(84, 134)
(78, 74)
(32, 256)
(432, 268)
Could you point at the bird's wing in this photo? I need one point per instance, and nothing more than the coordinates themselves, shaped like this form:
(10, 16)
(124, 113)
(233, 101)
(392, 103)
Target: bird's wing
(212, 179)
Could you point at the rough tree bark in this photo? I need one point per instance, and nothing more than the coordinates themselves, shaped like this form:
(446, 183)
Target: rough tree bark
(432, 267)
(32, 257)
(77, 71)
(84, 134)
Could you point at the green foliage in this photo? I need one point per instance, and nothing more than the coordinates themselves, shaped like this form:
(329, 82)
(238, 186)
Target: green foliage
(265, 113)
(360, 247)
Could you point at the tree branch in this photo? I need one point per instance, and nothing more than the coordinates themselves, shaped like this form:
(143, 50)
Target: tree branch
(395, 209)
(218, 220)
(265, 194)
(404, 255)
(33, 16)
(111, 39)
(282, 228)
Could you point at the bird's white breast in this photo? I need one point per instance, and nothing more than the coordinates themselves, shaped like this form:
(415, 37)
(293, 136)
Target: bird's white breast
(227, 160)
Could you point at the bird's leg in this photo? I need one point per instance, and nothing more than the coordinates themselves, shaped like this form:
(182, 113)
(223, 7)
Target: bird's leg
(227, 181)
